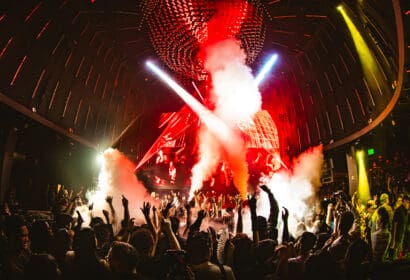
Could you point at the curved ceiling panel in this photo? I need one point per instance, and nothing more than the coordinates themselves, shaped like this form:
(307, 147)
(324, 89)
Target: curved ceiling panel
(77, 66)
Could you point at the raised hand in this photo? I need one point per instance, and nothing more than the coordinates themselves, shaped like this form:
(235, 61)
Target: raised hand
(80, 219)
(108, 199)
(191, 203)
(265, 189)
(201, 214)
(146, 208)
(252, 202)
(124, 201)
(285, 214)
(198, 195)
(238, 202)
(105, 213)
(187, 207)
(165, 211)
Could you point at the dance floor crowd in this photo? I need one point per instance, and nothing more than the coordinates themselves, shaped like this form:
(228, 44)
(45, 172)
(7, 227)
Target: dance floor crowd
(204, 238)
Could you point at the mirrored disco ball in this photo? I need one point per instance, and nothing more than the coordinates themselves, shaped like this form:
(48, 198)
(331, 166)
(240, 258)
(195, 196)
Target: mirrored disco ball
(177, 29)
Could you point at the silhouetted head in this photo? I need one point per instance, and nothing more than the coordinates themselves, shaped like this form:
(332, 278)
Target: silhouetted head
(199, 247)
(265, 250)
(356, 253)
(63, 243)
(319, 266)
(41, 237)
(346, 222)
(17, 233)
(243, 253)
(384, 198)
(307, 242)
(64, 221)
(42, 266)
(85, 242)
(143, 241)
(122, 258)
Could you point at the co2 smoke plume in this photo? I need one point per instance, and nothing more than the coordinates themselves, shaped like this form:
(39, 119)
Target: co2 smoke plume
(235, 96)
(116, 178)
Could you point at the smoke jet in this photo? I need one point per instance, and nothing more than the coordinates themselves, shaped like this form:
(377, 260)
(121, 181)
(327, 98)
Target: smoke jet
(116, 178)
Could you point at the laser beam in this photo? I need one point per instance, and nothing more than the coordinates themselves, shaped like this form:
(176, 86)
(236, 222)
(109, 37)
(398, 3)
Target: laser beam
(214, 124)
(266, 68)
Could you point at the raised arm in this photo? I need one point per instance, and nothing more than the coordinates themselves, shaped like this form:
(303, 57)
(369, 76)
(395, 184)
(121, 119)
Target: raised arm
(165, 211)
(124, 201)
(285, 233)
(108, 199)
(90, 210)
(80, 220)
(155, 220)
(106, 216)
(273, 214)
(330, 214)
(255, 231)
(172, 239)
(239, 223)
(188, 218)
(146, 207)
(197, 224)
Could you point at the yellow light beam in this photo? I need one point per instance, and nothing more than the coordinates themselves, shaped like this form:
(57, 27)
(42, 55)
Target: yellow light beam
(370, 67)
(363, 188)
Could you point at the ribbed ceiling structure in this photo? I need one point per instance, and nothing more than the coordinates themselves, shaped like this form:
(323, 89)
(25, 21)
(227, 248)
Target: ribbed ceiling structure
(77, 66)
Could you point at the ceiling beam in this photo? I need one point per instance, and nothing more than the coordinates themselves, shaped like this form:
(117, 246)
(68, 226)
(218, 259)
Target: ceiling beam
(42, 120)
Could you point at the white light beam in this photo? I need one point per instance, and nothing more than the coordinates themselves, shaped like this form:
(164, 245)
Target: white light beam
(266, 68)
(217, 126)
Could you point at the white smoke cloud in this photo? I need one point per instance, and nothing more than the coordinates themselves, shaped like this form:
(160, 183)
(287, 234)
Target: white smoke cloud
(235, 92)
(236, 99)
(116, 178)
(209, 149)
(295, 190)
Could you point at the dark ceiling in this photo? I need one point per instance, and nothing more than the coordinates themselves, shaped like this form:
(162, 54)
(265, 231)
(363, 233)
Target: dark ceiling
(77, 66)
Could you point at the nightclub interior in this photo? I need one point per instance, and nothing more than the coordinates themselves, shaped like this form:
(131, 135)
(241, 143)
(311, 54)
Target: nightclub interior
(204, 139)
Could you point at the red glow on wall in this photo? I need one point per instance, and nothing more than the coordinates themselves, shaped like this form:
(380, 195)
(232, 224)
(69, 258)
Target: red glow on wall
(5, 47)
(284, 17)
(43, 29)
(18, 70)
(28, 17)
(284, 115)
(315, 16)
